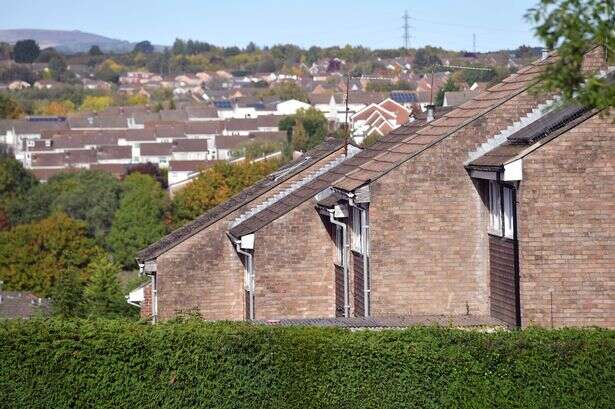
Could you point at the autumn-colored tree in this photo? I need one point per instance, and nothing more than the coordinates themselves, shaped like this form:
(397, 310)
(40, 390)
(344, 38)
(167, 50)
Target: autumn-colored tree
(57, 108)
(103, 296)
(216, 185)
(9, 107)
(137, 99)
(96, 103)
(34, 255)
(139, 221)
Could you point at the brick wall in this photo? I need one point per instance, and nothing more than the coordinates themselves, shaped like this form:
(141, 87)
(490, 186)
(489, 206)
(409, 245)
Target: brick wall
(204, 273)
(566, 223)
(294, 266)
(146, 305)
(428, 226)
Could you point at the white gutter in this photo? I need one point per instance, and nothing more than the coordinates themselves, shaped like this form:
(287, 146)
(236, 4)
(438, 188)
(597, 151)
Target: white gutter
(344, 261)
(366, 289)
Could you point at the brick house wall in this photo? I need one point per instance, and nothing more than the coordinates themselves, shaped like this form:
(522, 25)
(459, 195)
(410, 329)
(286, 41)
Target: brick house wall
(566, 224)
(294, 266)
(146, 305)
(204, 273)
(428, 226)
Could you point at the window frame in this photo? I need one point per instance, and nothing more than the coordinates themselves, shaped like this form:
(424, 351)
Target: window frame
(501, 209)
(357, 245)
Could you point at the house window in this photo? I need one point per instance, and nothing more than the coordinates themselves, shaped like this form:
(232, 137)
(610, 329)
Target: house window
(339, 246)
(508, 213)
(495, 209)
(359, 217)
(501, 210)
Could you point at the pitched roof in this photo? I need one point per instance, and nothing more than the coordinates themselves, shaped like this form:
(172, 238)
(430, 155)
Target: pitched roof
(16, 304)
(245, 196)
(114, 152)
(204, 127)
(241, 124)
(116, 169)
(201, 111)
(156, 149)
(456, 98)
(190, 145)
(550, 125)
(431, 133)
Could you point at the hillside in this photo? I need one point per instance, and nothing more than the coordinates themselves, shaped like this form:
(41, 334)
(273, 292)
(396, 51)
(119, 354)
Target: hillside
(66, 41)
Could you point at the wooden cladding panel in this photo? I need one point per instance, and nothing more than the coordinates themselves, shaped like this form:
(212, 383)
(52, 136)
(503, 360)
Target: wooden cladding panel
(502, 279)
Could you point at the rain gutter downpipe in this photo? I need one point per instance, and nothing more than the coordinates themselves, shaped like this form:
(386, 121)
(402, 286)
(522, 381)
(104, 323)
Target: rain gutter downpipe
(366, 289)
(250, 270)
(344, 260)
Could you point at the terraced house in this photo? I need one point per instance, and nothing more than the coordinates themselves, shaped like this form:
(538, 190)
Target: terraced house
(501, 210)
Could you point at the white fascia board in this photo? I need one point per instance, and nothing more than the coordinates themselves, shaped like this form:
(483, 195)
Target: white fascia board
(483, 174)
(513, 171)
(247, 241)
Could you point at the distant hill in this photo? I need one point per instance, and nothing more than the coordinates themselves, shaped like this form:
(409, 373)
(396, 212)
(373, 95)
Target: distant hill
(67, 41)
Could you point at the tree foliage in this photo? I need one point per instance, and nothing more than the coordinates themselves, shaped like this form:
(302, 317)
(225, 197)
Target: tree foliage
(144, 47)
(307, 128)
(95, 51)
(33, 256)
(449, 85)
(215, 185)
(91, 196)
(571, 27)
(9, 107)
(26, 51)
(103, 296)
(139, 220)
(96, 103)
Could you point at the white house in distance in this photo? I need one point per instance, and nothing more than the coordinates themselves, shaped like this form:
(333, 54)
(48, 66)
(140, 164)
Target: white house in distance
(290, 107)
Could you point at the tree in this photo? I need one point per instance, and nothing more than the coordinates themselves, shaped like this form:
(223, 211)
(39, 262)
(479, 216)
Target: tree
(144, 47)
(571, 27)
(96, 103)
(95, 51)
(312, 121)
(33, 256)
(288, 90)
(9, 107)
(109, 70)
(103, 296)
(15, 180)
(67, 294)
(57, 65)
(216, 185)
(137, 99)
(26, 51)
(448, 86)
(90, 196)
(139, 220)
(251, 47)
(425, 58)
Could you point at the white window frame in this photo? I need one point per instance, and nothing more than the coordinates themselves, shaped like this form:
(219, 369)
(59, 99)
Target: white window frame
(357, 230)
(495, 208)
(501, 210)
(509, 221)
(339, 245)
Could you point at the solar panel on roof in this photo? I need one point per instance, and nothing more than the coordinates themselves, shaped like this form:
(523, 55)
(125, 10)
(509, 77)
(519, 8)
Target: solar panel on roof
(223, 104)
(403, 97)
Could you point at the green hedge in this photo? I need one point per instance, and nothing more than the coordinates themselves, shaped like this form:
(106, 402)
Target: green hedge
(116, 364)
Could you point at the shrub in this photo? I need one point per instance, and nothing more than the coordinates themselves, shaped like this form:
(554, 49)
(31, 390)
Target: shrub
(112, 363)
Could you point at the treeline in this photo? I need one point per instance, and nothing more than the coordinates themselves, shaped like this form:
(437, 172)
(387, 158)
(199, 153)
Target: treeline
(194, 364)
(71, 238)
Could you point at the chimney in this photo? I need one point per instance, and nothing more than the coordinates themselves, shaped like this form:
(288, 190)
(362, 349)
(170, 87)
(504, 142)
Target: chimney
(430, 109)
(544, 54)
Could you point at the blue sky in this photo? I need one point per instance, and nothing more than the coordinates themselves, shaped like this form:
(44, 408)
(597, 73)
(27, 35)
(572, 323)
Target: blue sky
(376, 24)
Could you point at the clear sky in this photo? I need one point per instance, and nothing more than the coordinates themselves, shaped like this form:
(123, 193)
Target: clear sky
(376, 24)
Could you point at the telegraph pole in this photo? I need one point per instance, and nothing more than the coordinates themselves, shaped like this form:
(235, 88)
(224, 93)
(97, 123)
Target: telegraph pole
(474, 43)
